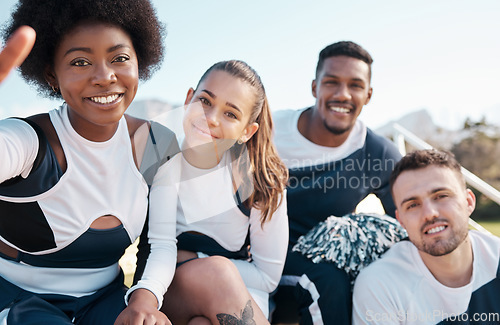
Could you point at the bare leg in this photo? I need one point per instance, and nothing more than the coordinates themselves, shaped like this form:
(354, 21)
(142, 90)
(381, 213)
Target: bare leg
(211, 287)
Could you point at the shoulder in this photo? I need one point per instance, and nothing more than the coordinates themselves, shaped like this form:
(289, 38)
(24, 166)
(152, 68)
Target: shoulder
(134, 124)
(381, 146)
(282, 113)
(286, 135)
(391, 270)
(153, 143)
(43, 121)
(160, 131)
(486, 245)
(21, 127)
(286, 118)
(485, 238)
(139, 128)
(378, 140)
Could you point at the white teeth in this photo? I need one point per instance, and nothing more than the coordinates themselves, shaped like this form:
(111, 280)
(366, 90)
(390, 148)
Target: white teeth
(435, 230)
(105, 99)
(339, 109)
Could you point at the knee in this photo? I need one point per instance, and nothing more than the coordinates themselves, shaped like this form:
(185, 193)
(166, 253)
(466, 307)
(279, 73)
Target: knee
(212, 271)
(221, 270)
(216, 282)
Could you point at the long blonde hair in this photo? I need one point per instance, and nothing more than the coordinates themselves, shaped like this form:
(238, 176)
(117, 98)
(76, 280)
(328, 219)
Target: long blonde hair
(269, 174)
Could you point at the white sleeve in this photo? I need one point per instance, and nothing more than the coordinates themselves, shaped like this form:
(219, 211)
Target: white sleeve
(268, 245)
(18, 148)
(160, 265)
(373, 300)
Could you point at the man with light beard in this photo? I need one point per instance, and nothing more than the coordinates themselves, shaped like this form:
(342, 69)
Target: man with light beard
(445, 273)
(334, 162)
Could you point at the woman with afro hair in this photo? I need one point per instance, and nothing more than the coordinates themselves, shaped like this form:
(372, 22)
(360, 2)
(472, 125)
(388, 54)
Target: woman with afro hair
(74, 182)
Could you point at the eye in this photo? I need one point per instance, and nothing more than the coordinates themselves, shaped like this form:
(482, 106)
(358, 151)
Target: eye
(121, 58)
(358, 86)
(80, 62)
(205, 101)
(231, 115)
(441, 196)
(411, 205)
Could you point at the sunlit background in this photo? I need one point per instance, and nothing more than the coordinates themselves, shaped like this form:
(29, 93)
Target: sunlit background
(441, 56)
(438, 56)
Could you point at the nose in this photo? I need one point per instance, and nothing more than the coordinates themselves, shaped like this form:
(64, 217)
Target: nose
(342, 93)
(103, 74)
(212, 117)
(429, 210)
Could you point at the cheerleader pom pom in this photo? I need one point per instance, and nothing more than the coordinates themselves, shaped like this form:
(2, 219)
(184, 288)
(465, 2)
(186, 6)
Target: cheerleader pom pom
(350, 242)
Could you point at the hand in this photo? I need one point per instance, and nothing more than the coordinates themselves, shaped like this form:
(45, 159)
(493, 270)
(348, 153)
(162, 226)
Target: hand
(142, 309)
(16, 50)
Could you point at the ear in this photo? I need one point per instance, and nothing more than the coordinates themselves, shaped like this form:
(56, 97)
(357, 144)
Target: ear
(50, 77)
(249, 131)
(313, 88)
(370, 92)
(471, 201)
(189, 96)
(398, 218)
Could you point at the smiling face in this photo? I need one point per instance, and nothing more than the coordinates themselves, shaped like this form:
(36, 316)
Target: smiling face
(96, 71)
(218, 112)
(341, 89)
(434, 206)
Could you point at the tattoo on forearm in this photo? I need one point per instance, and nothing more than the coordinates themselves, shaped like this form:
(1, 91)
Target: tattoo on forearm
(246, 317)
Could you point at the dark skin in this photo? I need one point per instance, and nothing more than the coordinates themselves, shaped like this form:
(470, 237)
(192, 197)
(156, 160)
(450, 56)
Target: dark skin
(143, 305)
(341, 88)
(16, 50)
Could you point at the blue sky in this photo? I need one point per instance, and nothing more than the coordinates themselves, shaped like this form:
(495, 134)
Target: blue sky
(439, 55)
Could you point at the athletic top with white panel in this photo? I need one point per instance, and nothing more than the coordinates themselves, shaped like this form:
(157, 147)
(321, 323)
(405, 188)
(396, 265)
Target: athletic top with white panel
(46, 214)
(399, 289)
(327, 181)
(202, 201)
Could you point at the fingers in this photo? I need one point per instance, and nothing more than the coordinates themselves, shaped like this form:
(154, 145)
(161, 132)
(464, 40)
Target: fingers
(16, 50)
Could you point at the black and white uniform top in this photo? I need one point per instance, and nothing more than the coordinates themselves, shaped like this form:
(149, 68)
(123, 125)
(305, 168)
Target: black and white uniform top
(46, 214)
(327, 181)
(400, 289)
(203, 201)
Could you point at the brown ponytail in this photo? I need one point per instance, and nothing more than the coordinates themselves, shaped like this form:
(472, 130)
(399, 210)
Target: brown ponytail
(268, 174)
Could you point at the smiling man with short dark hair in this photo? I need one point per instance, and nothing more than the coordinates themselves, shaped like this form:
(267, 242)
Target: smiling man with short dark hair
(445, 273)
(334, 161)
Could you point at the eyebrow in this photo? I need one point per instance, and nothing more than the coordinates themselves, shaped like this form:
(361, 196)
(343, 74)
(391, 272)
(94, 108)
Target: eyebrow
(89, 50)
(412, 198)
(336, 77)
(211, 94)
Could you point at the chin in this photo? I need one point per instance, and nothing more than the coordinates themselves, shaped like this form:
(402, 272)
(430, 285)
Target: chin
(337, 130)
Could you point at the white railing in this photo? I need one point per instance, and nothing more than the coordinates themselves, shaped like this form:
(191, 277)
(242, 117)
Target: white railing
(403, 136)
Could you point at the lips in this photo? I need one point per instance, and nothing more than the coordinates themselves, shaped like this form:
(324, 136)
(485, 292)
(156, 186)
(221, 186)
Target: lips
(205, 132)
(105, 99)
(435, 229)
(339, 107)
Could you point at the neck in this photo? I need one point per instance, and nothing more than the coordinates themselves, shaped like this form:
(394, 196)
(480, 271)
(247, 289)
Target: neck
(453, 270)
(203, 157)
(91, 131)
(316, 132)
